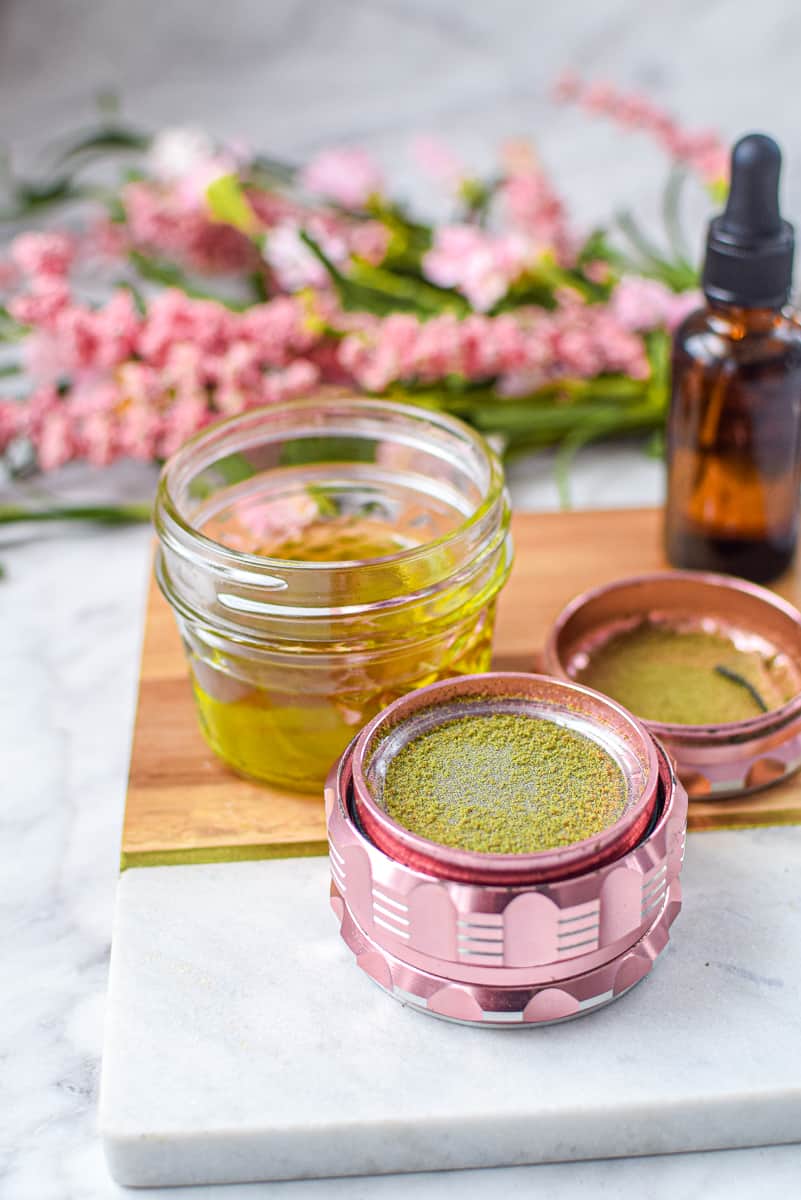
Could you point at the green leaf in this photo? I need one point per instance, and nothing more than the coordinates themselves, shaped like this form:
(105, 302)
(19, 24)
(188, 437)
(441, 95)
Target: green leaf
(97, 143)
(476, 196)
(679, 276)
(116, 210)
(10, 330)
(424, 298)
(656, 446)
(327, 504)
(136, 296)
(234, 468)
(671, 215)
(381, 292)
(169, 275)
(29, 198)
(229, 205)
(272, 169)
(575, 441)
(409, 239)
(300, 451)
(106, 514)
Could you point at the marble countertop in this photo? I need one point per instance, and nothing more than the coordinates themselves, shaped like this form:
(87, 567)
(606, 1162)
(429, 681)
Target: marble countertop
(291, 76)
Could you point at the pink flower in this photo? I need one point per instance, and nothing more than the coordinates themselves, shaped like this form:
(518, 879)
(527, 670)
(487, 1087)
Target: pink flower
(437, 159)
(138, 431)
(98, 439)
(294, 381)
(46, 423)
(567, 86)
(534, 209)
(165, 223)
(285, 517)
(293, 263)
(182, 372)
(48, 254)
(480, 265)
(237, 375)
(279, 328)
(185, 159)
(642, 304)
(9, 274)
(174, 318)
(139, 385)
(184, 418)
(598, 271)
(117, 325)
(521, 350)
(54, 442)
(701, 150)
(369, 240)
(106, 240)
(11, 422)
(347, 176)
(176, 151)
(41, 307)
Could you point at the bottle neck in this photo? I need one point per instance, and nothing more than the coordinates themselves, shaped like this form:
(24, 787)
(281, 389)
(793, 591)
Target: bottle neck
(736, 316)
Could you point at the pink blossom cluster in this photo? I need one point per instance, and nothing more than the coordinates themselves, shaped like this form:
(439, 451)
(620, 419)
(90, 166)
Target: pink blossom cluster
(164, 222)
(293, 265)
(700, 149)
(161, 222)
(112, 382)
(522, 350)
(641, 304)
(439, 161)
(480, 265)
(344, 175)
(534, 209)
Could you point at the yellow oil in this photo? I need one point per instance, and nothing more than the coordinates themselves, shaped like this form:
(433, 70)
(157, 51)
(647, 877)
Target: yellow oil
(288, 729)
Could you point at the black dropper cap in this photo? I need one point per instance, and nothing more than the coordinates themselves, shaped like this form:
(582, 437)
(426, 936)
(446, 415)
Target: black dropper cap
(749, 249)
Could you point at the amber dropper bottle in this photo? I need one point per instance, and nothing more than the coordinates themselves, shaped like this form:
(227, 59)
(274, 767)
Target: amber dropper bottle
(734, 430)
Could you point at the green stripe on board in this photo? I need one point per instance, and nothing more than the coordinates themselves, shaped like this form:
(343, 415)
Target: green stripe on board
(218, 854)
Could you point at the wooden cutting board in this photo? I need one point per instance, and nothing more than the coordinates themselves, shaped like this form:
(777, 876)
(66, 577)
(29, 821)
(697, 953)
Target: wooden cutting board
(184, 805)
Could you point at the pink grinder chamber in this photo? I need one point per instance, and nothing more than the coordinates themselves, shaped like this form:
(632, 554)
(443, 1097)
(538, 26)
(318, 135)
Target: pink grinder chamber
(506, 939)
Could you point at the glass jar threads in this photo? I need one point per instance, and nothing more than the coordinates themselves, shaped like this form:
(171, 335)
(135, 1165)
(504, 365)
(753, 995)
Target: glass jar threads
(322, 558)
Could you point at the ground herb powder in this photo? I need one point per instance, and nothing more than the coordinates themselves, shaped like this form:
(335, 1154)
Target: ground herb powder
(686, 677)
(504, 783)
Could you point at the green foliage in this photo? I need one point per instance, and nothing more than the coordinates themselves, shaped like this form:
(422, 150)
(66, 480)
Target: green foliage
(382, 292)
(228, 204)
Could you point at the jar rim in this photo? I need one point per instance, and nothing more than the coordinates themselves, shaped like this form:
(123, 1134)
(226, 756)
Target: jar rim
(260, 564)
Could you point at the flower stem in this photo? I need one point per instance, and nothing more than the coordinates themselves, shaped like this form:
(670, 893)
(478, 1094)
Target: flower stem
(106, 514)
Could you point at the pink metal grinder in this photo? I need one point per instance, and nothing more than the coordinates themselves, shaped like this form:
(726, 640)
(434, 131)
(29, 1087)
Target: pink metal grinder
(713, 761)
(506, 939)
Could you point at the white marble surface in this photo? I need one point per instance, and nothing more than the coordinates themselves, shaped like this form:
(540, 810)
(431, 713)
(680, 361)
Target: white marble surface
(243, 1043)
(291, 76)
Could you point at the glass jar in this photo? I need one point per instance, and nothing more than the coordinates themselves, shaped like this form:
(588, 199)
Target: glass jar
(323, 557)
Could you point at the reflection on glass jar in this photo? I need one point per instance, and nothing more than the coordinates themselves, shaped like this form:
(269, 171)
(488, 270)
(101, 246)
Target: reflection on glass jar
(322, 558)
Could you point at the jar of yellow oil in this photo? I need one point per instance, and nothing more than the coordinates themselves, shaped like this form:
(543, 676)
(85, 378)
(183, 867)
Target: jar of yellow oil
(322, 558)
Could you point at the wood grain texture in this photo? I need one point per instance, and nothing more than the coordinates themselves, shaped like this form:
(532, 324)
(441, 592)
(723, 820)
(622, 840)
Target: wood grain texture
(184, 805)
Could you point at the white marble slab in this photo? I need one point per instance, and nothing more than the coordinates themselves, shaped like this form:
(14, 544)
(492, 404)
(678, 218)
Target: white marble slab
(242, 1042)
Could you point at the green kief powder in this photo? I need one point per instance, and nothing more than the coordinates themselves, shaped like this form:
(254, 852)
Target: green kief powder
(686, 677)
(504, 783)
